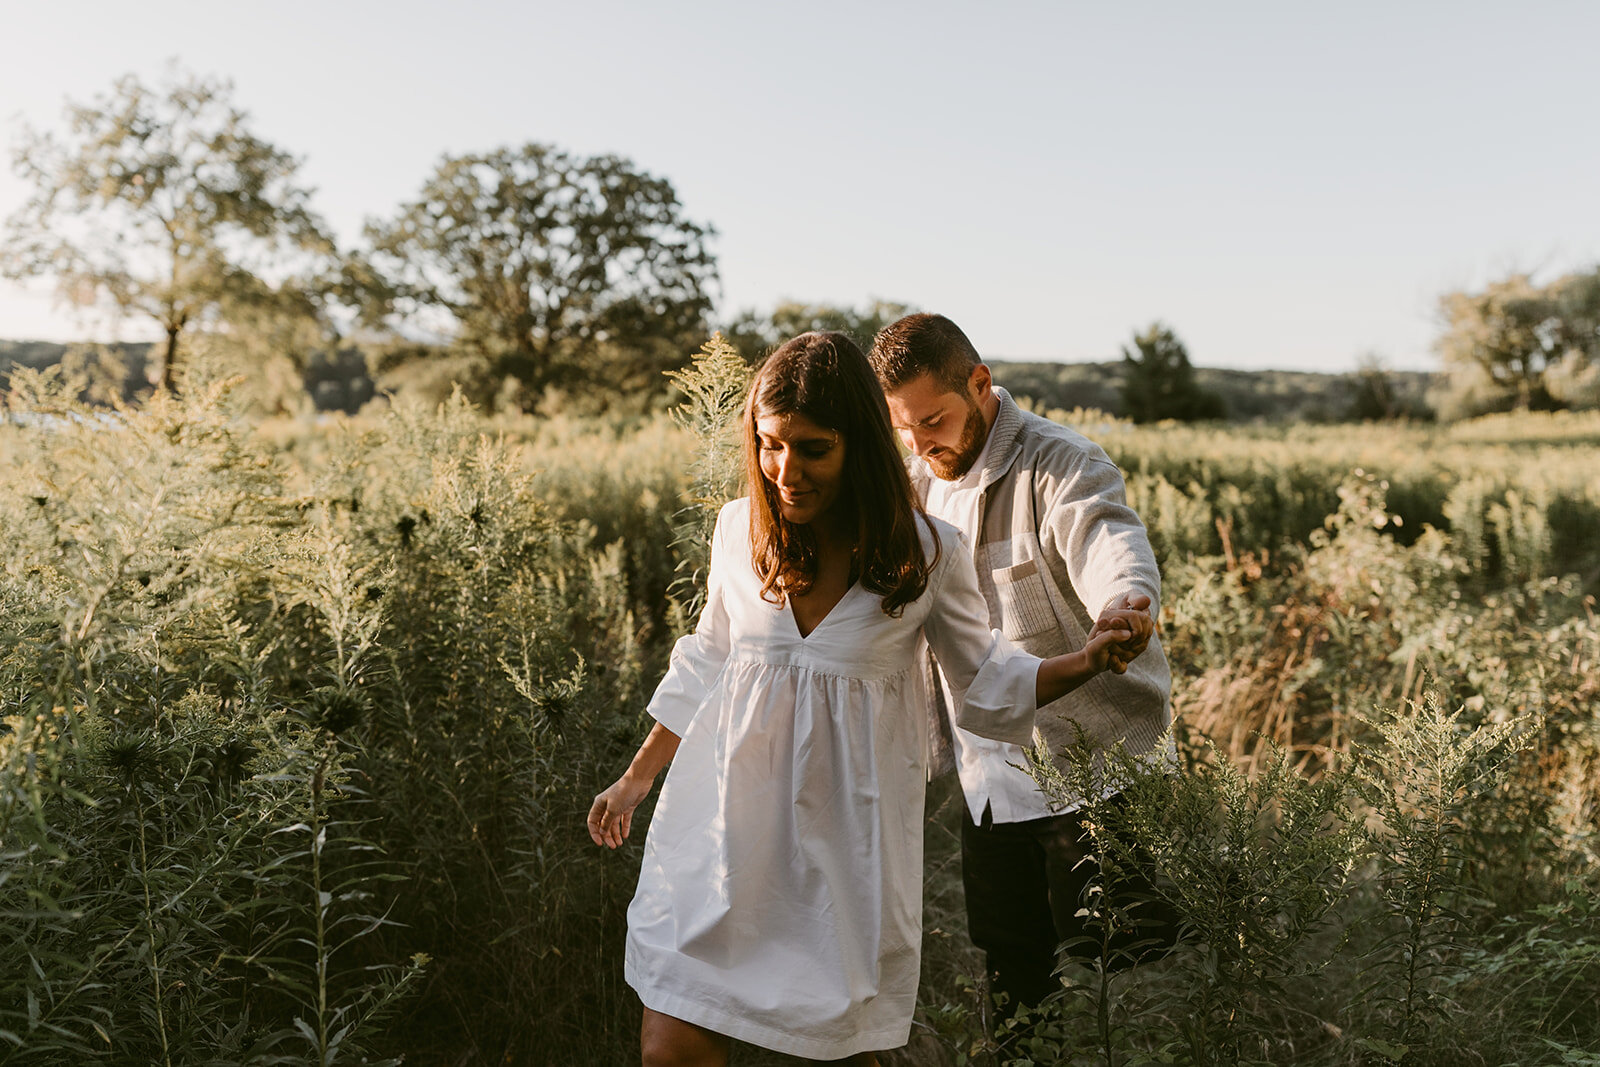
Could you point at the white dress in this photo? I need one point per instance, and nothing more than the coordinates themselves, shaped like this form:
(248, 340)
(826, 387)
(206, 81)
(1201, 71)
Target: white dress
(780, 898)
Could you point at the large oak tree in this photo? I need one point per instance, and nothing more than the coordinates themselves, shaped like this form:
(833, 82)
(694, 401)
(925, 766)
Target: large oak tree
(541, 269)
(162, 201)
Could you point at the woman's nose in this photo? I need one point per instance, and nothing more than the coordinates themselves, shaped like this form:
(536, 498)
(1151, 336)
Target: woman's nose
(789, 470)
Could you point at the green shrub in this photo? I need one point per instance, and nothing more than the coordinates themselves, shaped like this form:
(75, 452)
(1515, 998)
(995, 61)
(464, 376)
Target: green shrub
(299, 722)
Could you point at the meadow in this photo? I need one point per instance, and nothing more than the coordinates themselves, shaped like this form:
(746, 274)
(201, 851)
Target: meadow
(301, 720)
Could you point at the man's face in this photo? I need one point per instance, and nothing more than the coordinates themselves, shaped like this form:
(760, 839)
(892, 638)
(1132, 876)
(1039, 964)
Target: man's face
(946, 429)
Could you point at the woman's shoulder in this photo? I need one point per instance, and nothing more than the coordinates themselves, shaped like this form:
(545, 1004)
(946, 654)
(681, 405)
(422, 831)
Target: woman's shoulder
(733, 523)
(936, 530)
(940, 538)
(735, 510)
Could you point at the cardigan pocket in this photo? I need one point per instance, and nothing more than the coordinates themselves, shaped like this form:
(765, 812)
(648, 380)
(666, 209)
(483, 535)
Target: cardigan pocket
(1024, 602)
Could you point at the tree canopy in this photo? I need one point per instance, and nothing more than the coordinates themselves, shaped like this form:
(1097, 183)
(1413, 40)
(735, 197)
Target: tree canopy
(755, 334)
(541, 269)
(1573, 377)
(1518, 345)
(162, 201)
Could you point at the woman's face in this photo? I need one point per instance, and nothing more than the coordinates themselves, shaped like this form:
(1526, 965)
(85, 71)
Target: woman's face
(804, 462)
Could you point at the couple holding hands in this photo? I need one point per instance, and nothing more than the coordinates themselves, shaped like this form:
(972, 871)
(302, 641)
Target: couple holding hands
(780, 897)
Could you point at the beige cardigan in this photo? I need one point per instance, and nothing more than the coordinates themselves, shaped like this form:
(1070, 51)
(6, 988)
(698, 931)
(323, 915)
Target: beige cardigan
(1058, 542)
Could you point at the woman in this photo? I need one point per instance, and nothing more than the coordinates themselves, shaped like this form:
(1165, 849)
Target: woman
(780, 899)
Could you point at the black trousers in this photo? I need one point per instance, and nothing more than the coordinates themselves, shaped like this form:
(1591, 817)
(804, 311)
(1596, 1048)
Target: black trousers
(1025, 885)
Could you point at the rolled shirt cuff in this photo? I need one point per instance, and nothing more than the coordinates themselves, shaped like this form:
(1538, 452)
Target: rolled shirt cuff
(1002, 700)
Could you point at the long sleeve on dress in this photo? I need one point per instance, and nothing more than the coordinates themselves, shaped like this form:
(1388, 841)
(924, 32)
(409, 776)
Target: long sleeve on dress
(697, 658)
(994, 684)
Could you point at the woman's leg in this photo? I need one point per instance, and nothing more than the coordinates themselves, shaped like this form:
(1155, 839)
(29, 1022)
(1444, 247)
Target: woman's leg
(669, 1042)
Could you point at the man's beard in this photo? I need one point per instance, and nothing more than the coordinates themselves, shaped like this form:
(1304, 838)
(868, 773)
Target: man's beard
(949, 466)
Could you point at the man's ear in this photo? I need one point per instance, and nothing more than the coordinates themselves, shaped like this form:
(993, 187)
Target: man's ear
(980, 382)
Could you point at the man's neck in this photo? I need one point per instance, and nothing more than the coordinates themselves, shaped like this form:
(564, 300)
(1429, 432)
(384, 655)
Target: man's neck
(990, 406)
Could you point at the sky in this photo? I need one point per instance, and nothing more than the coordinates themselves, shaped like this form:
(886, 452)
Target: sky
(1285, 185)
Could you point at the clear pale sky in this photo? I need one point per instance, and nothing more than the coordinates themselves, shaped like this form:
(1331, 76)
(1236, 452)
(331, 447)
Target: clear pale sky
(1287, 185)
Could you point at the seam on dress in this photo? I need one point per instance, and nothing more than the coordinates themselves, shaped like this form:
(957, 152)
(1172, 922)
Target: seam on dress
(735, 662)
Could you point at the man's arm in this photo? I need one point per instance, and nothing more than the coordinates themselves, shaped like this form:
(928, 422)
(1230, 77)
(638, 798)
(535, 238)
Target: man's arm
(1101, 541)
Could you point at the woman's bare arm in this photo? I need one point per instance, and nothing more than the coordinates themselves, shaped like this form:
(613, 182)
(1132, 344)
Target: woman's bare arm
(1111, 646)
(611, 816)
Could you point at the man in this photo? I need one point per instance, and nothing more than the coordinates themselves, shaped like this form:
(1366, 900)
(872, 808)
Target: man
(1056, 547)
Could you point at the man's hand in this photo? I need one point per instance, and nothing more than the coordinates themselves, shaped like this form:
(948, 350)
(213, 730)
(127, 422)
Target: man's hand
(1107, 648)
(1129, 612)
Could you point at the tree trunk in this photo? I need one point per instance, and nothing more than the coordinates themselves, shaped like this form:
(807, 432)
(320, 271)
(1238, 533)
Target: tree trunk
(171, 359)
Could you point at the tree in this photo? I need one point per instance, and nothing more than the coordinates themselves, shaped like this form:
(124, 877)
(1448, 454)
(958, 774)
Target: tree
(1573, 377)
(543, 270)
(1159, 382)
(1496, 346)
(163, 202)
(1517, 345)
(754, 335)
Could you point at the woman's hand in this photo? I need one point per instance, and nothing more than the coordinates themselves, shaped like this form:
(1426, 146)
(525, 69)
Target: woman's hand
(611, 816)
(1115, 641)
(1131, 612)
(1114, 644)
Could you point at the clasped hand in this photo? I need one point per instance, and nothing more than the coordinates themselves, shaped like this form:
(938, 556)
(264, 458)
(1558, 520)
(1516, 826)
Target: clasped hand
(1128, 615)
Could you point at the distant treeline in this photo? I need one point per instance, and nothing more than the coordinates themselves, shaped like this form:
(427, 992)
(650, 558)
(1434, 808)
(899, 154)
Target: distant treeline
(534, 279)
(1247, 395)
(334, 380)
(342, 381)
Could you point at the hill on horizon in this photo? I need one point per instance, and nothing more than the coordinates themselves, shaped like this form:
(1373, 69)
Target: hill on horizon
(1249, 395)
(340, 382)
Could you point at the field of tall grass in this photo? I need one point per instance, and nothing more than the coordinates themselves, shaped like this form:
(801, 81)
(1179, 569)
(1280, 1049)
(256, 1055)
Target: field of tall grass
(299, 723)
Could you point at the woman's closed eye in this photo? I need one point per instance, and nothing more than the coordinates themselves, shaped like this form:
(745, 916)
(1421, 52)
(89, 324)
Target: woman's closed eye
(810, 449)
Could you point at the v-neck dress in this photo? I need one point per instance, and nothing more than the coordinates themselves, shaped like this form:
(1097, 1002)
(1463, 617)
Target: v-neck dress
(780, 897)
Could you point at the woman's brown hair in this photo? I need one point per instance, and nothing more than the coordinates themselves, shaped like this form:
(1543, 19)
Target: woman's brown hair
(826, 378)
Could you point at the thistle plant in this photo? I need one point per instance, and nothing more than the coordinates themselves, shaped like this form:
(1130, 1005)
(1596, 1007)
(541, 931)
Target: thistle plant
(1420, 784)
(714, 388)
(1250, 866)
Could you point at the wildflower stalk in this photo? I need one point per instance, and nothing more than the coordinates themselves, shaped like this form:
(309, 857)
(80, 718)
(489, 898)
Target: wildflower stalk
(150, 928)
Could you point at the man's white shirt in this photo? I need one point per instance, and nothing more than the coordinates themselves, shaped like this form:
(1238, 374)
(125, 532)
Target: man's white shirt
(989, 770)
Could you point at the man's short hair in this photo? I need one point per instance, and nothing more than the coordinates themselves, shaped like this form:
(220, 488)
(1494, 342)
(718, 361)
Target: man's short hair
(923, 344)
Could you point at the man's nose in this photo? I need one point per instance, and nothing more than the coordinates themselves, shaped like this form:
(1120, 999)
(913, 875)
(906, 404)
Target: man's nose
(916, 441)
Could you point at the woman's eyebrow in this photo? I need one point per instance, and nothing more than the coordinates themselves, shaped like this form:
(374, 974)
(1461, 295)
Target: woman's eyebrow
(816, 439)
